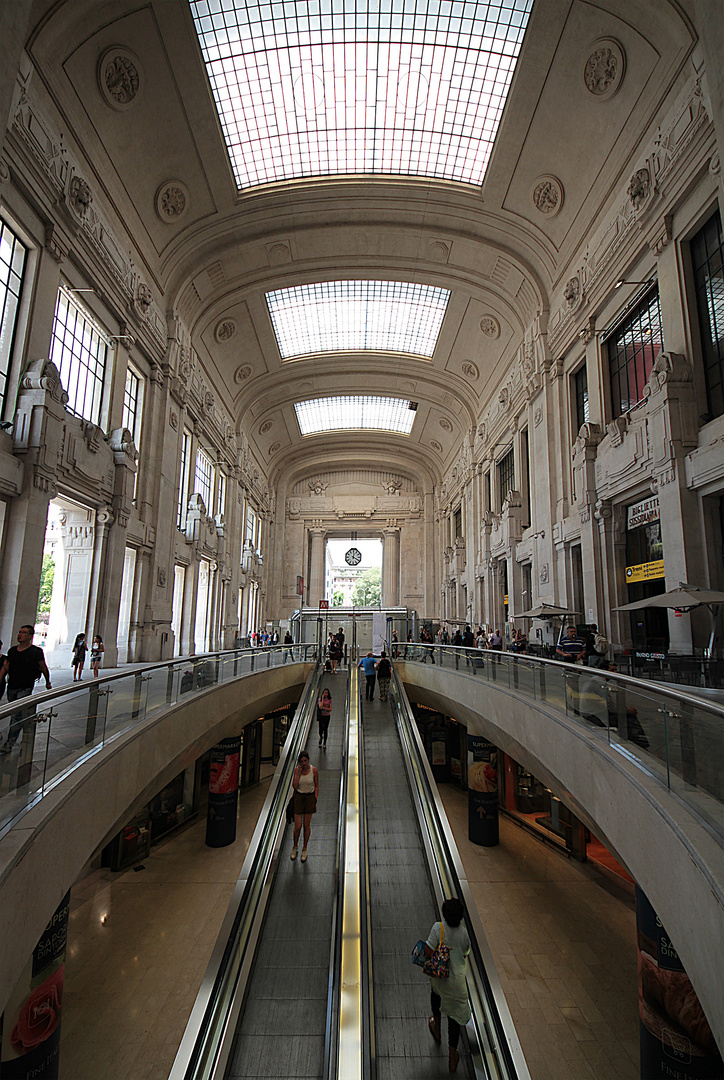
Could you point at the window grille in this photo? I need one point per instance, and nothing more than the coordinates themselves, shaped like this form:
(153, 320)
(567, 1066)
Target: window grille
(506, 476)
(132, 405)
(221, 493)
(707, 256)
(12, 269)
(580, 392)
(632, 350)
(204, 477)
(79, 348)
(183, 479)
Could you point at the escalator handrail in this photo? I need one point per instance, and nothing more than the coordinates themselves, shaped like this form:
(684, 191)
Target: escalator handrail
(502, 1058)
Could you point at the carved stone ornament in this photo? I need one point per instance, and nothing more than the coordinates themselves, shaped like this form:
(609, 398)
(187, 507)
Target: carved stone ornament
(548, 195)
(543, 575)
(604, 70)
(537, 416)
(4, 172)
(80, 196)
(318, 486)
(274, 447)
(173, 419)
(44, 375)
(490, 326)
(266, 426)
(714, 165)
(144, 298)
(471, 370)
(161, 577)
(639, 188)
(482, 431)
(172, 201)
(438, 251)
(572, 292)
(445, 424)
(209, 401)
(119, 77)
(504, 398)
(242, 373)
(669, 367)
(279, 253)
(392, 487)
(436, 446)
(225, 330)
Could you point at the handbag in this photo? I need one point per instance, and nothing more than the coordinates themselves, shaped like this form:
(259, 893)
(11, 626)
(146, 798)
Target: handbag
(290, 811)
(437, 965)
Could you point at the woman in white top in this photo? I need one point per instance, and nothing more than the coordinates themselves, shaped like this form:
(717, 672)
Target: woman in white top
(450, 995)
(306, 792)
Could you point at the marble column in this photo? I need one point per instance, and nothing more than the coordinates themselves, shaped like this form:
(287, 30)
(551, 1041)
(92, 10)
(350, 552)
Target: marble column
(316, 566)
(391, 567)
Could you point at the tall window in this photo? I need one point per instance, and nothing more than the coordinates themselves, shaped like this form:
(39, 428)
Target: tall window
(707, 256)
(12, 266)
(183, 479)
(632, 350)
(250, 532)
(133, 404)
(204, 477)
(506, 476)
(221, 493)
(580, 397)
(525, 473)
(78, 348)
(458, 522)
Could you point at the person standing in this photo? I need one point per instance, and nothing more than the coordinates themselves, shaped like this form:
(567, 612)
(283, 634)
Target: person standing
(570, 648)
(450, 996)
(384, 674)
(340, 644)
(79, 651)
(324, 711)
(370, 668)
(288, 643)
(306, 792)
(23, 666)
(97, 650)
(496, 641)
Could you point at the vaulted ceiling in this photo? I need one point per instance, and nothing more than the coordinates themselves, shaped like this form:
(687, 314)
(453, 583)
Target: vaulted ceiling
(501, 249)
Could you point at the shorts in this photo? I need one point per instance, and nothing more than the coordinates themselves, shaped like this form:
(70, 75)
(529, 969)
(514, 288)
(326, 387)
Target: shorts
(305, 802)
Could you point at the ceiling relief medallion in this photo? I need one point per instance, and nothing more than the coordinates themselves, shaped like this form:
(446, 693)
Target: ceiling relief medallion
(278, 253)
(119, 77)
(445, 424)
(490, 326)
(438, 251)
(266, 426)
(548, 195)
(274, 447)
(225, 330)
(436, 446)
(172, 201)
(242, 373)
(639, 188)
(471, 370)
(604, 70)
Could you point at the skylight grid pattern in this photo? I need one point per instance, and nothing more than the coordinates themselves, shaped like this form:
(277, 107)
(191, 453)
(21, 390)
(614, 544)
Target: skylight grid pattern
(353, 413)
(320, 88)
(336, 316)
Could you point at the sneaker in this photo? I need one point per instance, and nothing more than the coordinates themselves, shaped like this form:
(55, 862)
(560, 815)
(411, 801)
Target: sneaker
(304, 854)
(294, 854)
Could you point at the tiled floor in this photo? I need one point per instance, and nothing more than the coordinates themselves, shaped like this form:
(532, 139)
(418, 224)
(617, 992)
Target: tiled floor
(562, 937)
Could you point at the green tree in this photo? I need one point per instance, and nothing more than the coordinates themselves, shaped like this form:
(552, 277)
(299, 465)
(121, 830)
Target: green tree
(337, 598)
(368, 588)
(46, 588)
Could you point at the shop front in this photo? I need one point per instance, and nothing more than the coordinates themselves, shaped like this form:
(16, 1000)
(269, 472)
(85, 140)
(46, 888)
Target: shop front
(645, 578)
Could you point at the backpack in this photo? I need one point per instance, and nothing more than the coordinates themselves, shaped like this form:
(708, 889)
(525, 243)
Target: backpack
(601, 644)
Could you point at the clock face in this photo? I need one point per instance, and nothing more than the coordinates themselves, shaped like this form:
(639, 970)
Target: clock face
(353, 557)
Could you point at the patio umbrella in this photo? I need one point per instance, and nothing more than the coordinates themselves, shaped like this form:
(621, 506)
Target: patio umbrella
(548, 611)
(684, 598)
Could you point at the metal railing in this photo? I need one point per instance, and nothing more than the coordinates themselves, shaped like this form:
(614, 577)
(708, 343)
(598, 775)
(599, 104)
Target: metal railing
(677, 737)
(56, 730)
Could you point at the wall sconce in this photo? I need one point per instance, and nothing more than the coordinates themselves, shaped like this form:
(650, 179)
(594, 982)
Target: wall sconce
(625, 281)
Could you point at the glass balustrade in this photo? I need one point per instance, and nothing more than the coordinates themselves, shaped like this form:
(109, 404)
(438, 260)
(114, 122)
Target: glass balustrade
(54, 730)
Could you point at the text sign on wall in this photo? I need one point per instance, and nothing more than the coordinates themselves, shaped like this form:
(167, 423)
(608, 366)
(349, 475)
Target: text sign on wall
(647, 571)
(643, 513)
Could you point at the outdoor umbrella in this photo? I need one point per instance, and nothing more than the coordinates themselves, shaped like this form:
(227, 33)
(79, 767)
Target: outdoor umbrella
(548, 611)
(684, 598)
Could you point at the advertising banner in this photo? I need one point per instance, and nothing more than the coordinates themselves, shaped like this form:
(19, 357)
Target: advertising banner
(482, 792)
(31, 1021)
(647, 571)
(223, 793)
(675, 1037)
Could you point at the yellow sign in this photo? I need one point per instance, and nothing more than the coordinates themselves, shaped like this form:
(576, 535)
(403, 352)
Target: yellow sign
(505, 599)
(646, 571)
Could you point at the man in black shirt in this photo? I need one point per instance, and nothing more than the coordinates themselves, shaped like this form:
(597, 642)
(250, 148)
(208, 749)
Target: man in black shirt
(23, 666)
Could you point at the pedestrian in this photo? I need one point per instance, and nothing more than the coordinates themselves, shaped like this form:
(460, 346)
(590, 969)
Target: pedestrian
(384, 674)
(340, 644)
(522, 641)
(306, 792)
(370, 668)
(468, 641)
(79, 651)
(426, 639)
(395, 645)
(97, 650)
(324, 711)
(409, 652)
(496, 641)
(334, 652)
(288, 650)
(449, 996)
(570, 648)
(23, 666)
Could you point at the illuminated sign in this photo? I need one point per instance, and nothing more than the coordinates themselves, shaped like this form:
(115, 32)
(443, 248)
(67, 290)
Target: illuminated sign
(647, 571)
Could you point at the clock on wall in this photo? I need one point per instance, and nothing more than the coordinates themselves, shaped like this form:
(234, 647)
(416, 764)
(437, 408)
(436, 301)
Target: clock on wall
(353, 557)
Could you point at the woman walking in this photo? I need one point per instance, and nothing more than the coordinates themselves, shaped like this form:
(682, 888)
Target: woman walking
(384, 674)
(306, 792)
(97, 650)
(450, 996)
(324, 710)
(79, 650)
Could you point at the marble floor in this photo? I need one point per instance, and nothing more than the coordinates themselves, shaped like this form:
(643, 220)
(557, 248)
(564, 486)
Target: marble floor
(562, 936)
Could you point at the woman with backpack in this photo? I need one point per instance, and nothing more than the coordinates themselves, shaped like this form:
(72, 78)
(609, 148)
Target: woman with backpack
(384, 674)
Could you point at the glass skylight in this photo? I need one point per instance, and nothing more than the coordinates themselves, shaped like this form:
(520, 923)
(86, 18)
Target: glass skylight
(335, 316)
(355, 412)
(325, 87)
